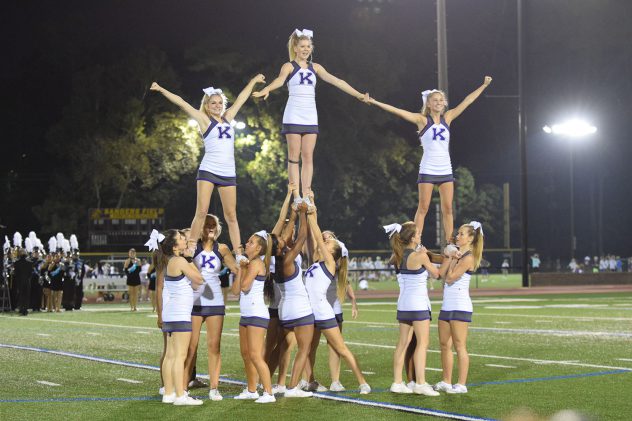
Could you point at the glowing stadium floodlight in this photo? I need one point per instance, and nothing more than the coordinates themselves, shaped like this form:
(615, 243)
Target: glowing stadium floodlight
(192, 123)
(571, 128)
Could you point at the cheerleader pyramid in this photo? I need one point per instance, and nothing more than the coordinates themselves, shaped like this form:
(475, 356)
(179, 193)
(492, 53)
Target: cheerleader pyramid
(303, 305)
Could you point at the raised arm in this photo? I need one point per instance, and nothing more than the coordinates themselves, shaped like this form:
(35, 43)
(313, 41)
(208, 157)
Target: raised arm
(415, 118)
(229, 260)
(456, 111)
(320, 243)
(160, 283)
(338, 83)
(278, 227)
(201, 118)
(243, 97)
(286, 69)
(300, 238)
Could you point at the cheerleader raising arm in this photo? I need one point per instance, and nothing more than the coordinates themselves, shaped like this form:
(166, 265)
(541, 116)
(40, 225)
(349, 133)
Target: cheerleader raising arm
(199, 116)
(456, 111)
(278, 227)
(243, 97)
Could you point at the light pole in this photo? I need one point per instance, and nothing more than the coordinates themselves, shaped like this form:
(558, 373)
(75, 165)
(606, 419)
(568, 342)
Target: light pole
(572, 130)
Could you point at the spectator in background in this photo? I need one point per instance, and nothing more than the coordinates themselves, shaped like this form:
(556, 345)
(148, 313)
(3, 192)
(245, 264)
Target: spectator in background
(587, 261)
(485, 264)
(23, 269)
(619, 264)
(504, 268)
(573, 266)
(144, 280)
(535, 262)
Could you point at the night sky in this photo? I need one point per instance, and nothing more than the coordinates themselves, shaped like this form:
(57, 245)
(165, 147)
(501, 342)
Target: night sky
(578, 63)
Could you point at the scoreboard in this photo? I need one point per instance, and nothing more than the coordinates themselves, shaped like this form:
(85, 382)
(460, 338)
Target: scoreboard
(122, 227)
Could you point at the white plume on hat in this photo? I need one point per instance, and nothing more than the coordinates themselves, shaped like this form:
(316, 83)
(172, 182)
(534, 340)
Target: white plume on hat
(52, 245)
(74, 244)
(17, 239)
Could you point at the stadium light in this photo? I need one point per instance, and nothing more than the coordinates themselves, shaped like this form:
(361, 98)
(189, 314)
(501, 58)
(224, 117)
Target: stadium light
(571, 129)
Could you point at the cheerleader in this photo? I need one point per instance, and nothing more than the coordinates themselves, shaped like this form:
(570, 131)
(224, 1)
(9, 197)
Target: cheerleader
(300, 119)
(333, 256)
(456, 310)
(278, 347)
(209, 305)
(433, 125)
(334, 301)
(218, 164)
(295, 311)
(412, 265)
(132, 268)
(249, 285)
(180, 278)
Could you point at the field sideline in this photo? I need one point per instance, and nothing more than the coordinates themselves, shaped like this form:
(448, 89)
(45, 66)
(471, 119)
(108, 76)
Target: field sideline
(544, 352)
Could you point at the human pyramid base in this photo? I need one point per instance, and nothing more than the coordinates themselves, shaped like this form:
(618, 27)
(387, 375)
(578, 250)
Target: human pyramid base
(281, 304)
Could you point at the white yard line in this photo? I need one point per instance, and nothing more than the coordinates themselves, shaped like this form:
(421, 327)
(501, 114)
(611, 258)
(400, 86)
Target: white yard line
(500, 366)
(129, 380)
(45, 383)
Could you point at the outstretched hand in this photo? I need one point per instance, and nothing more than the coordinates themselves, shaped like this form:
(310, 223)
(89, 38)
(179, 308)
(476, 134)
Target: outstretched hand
(260, 78)
(487, 81)
(154, 87)
(367, 99)
(264, 93)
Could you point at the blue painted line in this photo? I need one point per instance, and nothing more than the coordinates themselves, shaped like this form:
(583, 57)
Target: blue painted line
(327, 396)
(544, 379)
(139, 398)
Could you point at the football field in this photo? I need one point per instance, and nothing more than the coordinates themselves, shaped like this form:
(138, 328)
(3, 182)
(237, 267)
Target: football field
(545, 353)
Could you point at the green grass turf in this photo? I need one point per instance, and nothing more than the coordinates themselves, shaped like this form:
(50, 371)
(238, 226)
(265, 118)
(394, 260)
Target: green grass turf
(539, 336)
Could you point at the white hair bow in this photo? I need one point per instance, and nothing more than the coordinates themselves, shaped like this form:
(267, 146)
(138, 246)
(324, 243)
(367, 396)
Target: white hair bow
(343, 249)
(17, 239)
(263, 234)
(154, 238)
(212, 91)
(65, 245)
(7, 244)
(392, 229)
(28, 245)
(476, 225)
(305, 32)
(424, 95)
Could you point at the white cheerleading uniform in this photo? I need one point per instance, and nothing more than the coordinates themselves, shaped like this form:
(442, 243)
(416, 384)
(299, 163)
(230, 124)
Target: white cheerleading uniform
(456, 297)
(177, 301)
(252, 303)
(274, 304)
(300, 111)
(209, 300)
(317, 282)
(294, 302)
(413, 302)
(219, 149)
(435, 141)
